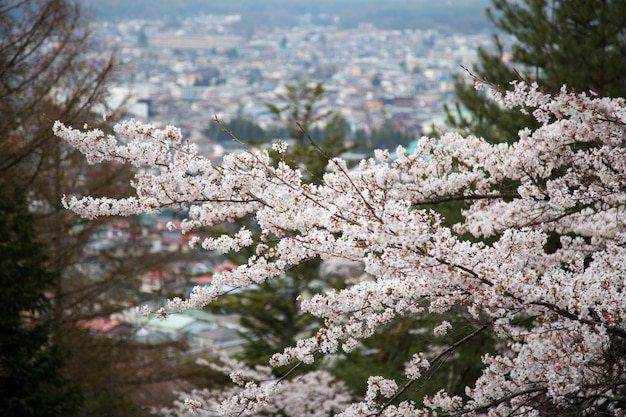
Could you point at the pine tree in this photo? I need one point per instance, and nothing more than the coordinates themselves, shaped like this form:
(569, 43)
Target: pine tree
(577, 43)
(580, 43)
(306, 122)
(270, 312)
(31, 380)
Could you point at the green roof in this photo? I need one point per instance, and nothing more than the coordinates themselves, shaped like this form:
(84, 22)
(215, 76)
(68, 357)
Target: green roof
(172, 322)
(201, 315)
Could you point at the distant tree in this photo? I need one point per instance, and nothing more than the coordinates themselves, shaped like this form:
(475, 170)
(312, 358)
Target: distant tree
(43, 75)
(232, 53)
(240, 127)
(577, 43)
(118, 375)
(270, 312)
(51, 67)
(142, 39)
(376, 80)
(300, 109)
(31, 364)
(387, 136)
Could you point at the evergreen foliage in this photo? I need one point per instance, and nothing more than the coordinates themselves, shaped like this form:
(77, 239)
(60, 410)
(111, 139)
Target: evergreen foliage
(270, 312)
(240, 127)
(45, 75)
(387, 136)
(31, 380)
(580, 43)
(319, 134)
(385, 352)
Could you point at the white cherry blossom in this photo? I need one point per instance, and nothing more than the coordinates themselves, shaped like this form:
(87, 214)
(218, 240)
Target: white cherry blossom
(553, 204)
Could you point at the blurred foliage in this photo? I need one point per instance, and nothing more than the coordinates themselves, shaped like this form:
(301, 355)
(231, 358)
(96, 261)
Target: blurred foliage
(387, 136)
(579, 43)
(45, 76)
(386, 352)
(270, 313)
(31, 363)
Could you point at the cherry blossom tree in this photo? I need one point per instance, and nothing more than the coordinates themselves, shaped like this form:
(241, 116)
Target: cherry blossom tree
(546, 273)
(308, 395)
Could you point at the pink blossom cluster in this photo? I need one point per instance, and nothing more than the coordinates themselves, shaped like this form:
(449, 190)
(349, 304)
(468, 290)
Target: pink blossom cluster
(566, 178)
(257, 392)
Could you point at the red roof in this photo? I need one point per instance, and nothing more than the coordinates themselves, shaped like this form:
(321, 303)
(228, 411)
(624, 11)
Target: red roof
(99, 324)
(159, 275)
(205, 279)
(228, 266)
